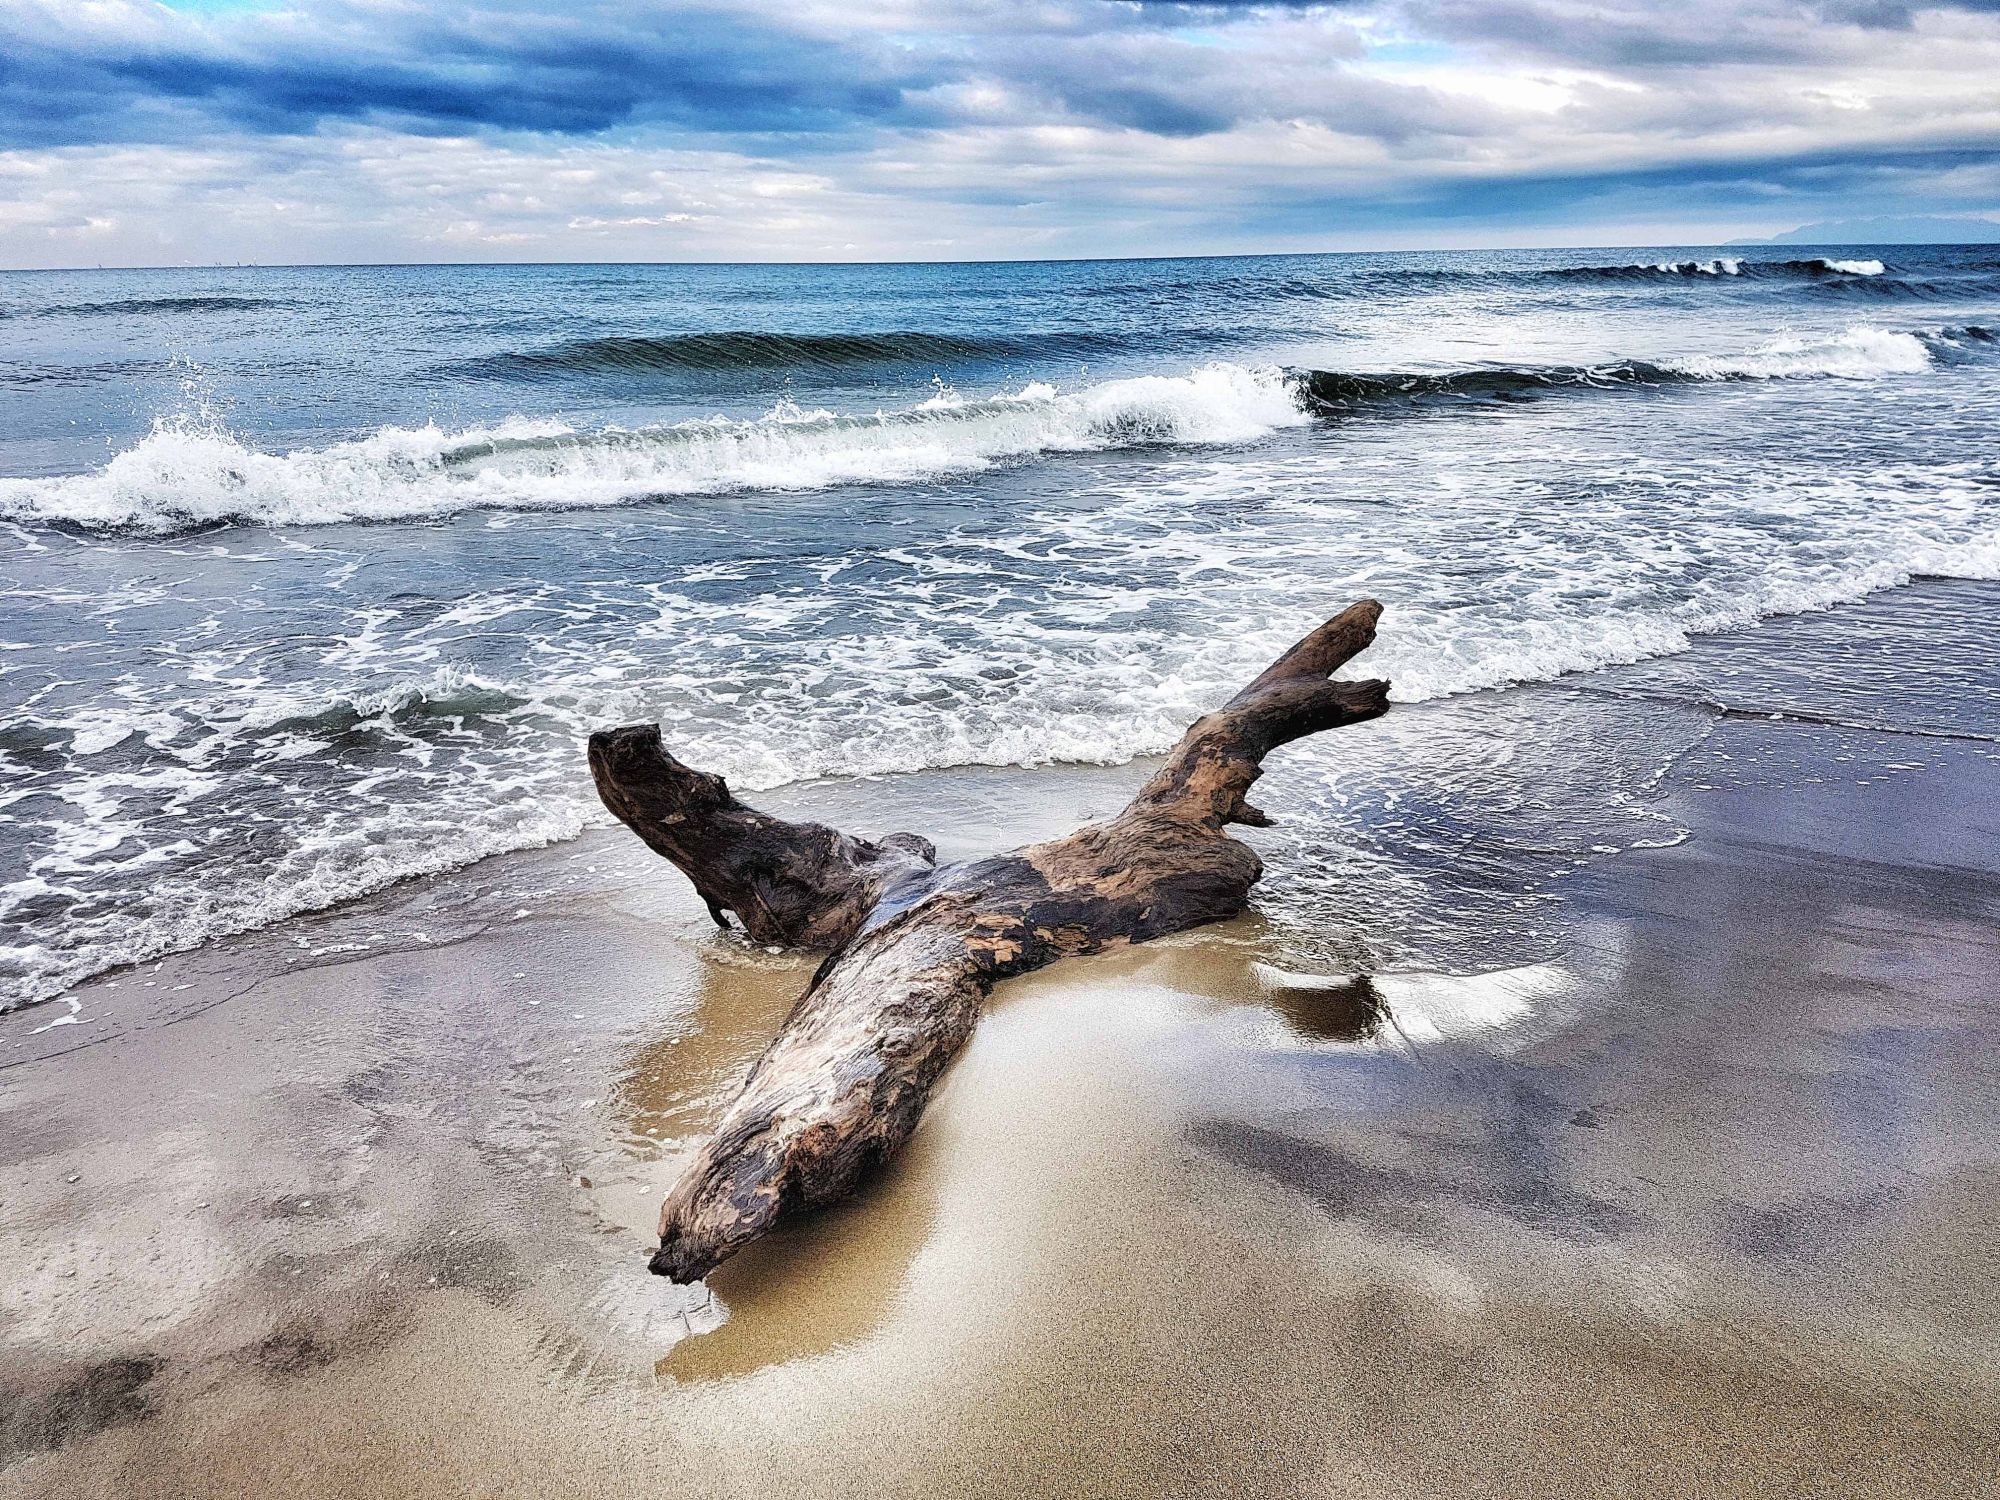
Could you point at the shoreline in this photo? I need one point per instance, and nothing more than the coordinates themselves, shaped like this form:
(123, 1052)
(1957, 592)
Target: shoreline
(857, 795)
(1620, 1135)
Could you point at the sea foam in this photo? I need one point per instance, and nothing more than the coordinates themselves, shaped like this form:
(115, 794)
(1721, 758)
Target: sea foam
(518, 788)
(1724, 266)
(1855, 353)
(190, 471)
(208, 733)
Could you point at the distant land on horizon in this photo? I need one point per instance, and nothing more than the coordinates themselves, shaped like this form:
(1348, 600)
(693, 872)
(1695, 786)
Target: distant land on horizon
(1918, 230)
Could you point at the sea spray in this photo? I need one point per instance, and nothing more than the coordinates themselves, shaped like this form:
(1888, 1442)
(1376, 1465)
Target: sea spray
(189, 471)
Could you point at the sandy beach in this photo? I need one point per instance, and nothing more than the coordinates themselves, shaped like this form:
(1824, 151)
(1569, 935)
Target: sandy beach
(1663, 1165)
(1164, 750)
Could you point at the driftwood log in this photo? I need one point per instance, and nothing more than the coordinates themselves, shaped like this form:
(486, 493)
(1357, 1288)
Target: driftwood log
(913, 946)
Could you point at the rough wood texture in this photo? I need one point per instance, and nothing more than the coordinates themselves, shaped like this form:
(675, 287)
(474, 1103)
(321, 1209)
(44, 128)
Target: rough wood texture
(914, 946)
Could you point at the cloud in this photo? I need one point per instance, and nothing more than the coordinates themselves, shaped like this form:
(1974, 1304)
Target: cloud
(129, 69)
(748, 128)
(1642, 36)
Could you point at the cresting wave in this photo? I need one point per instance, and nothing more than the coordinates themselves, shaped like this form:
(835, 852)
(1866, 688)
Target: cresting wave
(1859, 353)
(189, 472)
(1723, 265)
(1820, 278)
(1339, 283)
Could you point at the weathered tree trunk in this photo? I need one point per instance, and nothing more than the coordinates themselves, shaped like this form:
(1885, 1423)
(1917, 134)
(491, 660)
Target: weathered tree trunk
(915, 946)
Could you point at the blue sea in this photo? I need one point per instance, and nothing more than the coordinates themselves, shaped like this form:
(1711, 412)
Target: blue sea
(315, 578)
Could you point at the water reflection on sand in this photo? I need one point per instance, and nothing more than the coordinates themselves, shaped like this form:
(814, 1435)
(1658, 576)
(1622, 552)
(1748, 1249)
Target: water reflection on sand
(1688, 1189)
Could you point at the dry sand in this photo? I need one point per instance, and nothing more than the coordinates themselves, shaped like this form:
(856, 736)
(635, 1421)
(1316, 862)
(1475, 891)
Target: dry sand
(1700, 1202)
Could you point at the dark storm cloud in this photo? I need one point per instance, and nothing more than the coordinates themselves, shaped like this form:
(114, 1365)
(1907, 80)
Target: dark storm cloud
(1872, 180)
(131, 70)
(141, 73)
(576, 71)
(833, 128)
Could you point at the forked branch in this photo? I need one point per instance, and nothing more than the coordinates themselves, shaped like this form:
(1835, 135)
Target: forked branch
(915, 947)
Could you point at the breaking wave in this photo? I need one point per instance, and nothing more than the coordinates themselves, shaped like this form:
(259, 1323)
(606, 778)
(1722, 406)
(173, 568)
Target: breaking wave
(1342, 283)
(1856, 353)
(189, 472)
(1722, 265)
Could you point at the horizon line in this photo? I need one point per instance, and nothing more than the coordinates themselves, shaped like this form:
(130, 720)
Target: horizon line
(995, 260)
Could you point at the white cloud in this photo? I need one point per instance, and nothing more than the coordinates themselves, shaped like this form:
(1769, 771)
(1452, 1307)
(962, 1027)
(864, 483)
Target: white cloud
(894, 128)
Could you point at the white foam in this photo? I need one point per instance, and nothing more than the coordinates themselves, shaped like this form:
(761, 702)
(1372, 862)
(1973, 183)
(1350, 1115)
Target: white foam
(1541, 650)
(190, 471)
(1853, 354)
(898, 701)
(1075, 632)
(1729, 265)
(322, 870)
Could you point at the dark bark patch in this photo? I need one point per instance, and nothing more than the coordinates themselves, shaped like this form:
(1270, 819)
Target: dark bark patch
(915, 947)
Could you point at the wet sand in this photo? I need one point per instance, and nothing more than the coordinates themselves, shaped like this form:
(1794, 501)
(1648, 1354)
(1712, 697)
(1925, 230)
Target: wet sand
(1689, 1190)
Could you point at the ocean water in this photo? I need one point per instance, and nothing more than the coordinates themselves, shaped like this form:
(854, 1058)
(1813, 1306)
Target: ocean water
(314, 579)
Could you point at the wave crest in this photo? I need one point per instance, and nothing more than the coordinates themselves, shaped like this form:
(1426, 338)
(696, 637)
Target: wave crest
(1854, 354)
(1721, 266)
(189, 472)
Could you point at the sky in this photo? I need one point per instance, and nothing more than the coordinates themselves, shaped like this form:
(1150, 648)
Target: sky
(134, 132)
